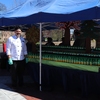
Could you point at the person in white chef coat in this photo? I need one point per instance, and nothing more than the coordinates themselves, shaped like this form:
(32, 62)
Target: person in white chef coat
(16, 51)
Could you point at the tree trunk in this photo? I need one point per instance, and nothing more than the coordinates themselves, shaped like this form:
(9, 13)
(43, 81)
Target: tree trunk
(67, 37)
(88, 45)
(97, 43)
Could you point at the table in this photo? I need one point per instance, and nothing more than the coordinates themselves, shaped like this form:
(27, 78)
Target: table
(70, 78)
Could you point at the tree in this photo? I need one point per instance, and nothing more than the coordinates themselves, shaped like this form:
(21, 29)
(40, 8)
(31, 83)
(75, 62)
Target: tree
(18, 2)
(2, 7)
(32, 35)
(66, 26)
(88, 30)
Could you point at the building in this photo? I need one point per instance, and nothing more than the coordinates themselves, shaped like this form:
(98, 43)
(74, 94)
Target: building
(4, 35)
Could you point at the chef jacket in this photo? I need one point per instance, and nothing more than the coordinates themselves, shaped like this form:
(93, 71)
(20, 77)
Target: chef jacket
(16, 47)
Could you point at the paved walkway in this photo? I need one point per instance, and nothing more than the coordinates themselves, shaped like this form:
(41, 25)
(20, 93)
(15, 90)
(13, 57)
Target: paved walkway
(8, 93)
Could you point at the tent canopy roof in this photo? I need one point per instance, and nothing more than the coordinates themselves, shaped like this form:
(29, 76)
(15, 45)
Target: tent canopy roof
(36, 11)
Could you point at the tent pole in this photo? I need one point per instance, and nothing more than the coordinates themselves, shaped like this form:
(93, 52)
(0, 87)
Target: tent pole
(40, 56)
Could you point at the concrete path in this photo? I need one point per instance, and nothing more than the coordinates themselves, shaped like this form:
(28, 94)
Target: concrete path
(7, 93)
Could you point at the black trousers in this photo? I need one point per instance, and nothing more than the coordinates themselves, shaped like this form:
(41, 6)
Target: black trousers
(17, 72)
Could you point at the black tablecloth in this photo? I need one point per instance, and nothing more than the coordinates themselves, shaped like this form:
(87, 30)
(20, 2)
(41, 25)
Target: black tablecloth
(69, 79)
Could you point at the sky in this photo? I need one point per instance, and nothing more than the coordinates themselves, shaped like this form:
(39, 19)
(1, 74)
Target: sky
(10, 4)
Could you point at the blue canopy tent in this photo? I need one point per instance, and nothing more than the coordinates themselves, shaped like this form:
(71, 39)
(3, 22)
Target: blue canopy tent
(38, 11)
(47, 17)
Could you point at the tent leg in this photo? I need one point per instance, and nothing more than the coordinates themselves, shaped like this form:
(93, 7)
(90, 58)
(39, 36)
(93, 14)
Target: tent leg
(40, 56)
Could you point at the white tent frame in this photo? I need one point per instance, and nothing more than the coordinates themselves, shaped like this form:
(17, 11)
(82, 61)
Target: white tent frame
(40, 60)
